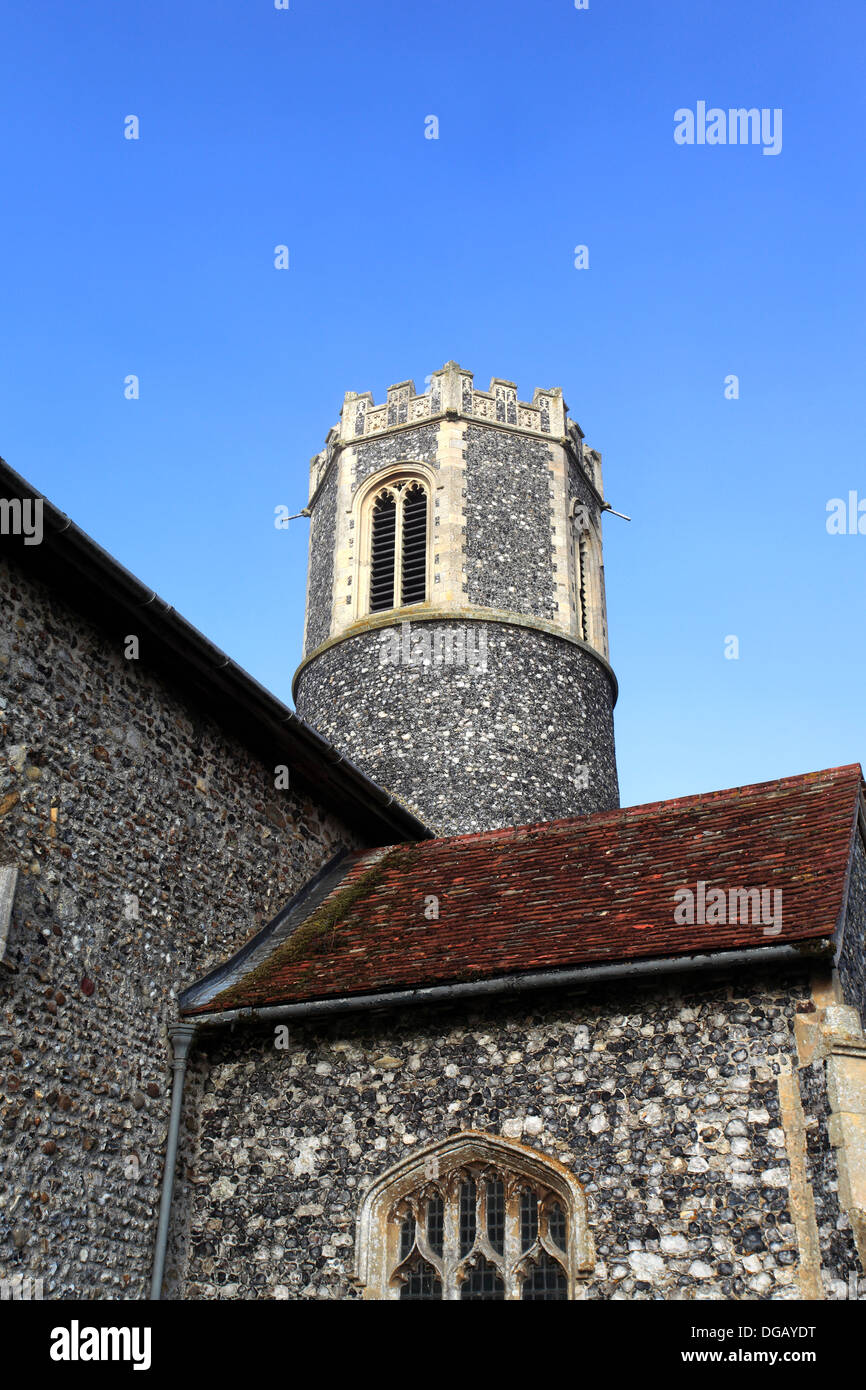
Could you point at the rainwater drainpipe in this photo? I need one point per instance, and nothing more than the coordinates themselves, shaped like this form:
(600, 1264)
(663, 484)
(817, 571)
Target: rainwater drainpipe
(181, 1035)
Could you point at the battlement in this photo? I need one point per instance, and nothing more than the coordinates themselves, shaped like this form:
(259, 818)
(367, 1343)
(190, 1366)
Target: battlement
(452, 391)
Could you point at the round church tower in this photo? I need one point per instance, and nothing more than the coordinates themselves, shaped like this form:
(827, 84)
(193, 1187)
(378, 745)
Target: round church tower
(455, 645)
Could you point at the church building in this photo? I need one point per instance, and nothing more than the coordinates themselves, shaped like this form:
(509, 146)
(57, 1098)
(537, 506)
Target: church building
(389, 998)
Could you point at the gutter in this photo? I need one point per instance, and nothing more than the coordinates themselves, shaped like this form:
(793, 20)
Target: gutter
(184, 1034)
(513, 984)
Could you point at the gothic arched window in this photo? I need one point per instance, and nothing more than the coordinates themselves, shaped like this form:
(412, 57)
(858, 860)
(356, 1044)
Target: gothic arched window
(474, 1218)
(398, 545)
(588, 595)
(583, 585)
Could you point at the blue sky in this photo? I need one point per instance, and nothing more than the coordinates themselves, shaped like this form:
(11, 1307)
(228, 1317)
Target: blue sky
(305, 127)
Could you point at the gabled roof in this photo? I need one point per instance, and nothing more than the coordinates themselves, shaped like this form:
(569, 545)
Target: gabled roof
(598, 888)
(91, 581)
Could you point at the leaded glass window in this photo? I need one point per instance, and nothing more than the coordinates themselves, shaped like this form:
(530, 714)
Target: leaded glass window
(481, 1233)
(474, 1217)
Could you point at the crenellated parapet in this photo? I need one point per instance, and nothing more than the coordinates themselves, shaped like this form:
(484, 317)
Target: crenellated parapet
(452, 394)
(452, 391)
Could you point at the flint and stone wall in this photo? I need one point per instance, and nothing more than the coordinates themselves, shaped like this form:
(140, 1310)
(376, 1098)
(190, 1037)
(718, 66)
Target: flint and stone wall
(320, 573)
(509, 550)
(149, 846)
(664, 1103)
(517, 730)
(373, 454)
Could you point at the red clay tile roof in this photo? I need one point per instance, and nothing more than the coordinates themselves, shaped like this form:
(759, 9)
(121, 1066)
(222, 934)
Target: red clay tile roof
(594, 889)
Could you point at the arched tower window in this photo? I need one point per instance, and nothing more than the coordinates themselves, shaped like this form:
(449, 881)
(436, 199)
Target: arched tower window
(588, 598)
(398, 545)
(478, 1219)
(583, 589)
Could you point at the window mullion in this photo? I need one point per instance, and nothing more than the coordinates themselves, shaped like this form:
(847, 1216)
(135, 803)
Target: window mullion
(512, 1240)
(451, 1243)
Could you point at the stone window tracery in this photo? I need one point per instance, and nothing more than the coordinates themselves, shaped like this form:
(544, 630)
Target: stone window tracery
(476, 1218)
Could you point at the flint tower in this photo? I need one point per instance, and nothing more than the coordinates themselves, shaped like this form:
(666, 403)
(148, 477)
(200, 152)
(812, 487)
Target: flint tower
(455, 644)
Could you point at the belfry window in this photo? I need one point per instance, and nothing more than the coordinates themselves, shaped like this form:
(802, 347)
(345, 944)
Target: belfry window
(583, 585)
(398, 546)
(475, 1222)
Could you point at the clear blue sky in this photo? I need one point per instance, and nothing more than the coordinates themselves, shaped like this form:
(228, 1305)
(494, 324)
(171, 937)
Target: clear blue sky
(306, 127)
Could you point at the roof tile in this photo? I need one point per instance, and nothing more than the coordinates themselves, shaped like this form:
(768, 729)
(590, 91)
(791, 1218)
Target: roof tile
(587, 890)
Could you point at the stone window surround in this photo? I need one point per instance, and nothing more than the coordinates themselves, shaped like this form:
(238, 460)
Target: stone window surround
(378, 1234)
(405, 471)
(590, 625)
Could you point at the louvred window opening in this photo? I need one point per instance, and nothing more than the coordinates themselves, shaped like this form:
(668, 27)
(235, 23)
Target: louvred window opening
(383, 550)
(414, 544)
(398, 558)
(583, 565)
